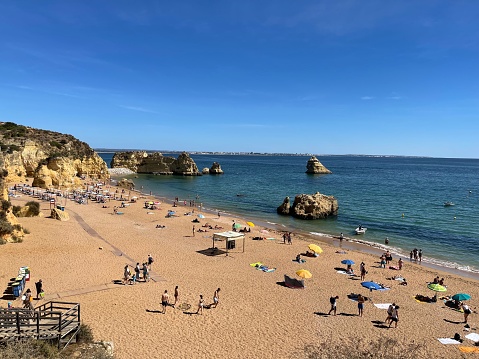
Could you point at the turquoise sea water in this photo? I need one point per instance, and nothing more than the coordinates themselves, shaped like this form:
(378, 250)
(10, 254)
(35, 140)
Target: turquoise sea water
(372, 191)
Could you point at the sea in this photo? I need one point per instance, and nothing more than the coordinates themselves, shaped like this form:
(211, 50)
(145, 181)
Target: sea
(401, 198)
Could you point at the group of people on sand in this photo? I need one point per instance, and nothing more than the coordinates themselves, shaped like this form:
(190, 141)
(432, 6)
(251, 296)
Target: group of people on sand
(139, 272)
(165, 300)
(287, 238)
(357, 297)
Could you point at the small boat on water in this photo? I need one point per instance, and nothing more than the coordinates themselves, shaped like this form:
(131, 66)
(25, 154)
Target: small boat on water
(360, 230)
(448, 204)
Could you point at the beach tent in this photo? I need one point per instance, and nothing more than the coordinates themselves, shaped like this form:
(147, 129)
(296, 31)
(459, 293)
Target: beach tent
(230, 239)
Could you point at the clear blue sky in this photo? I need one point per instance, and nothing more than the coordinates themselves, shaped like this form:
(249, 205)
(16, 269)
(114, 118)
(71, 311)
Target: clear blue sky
(327, 77)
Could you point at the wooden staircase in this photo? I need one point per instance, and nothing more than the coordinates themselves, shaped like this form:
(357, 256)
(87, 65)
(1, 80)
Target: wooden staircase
(58, 322)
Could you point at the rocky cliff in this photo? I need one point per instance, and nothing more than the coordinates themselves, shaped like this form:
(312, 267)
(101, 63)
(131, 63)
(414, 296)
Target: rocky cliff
(313, 206)
(53, 159)
(143, 162)
(316, 167)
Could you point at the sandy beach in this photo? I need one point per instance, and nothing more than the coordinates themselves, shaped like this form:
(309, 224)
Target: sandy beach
(82, 260)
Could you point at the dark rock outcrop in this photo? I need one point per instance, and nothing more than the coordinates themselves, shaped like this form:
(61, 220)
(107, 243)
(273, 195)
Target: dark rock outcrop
(313, 206)
(143, 162)
(216, 169)
(315, 167)
(126, 183)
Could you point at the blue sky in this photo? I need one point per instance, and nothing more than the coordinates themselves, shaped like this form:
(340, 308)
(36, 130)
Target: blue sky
(326, 77)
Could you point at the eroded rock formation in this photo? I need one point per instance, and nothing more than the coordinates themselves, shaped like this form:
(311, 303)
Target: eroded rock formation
(126, 183)
(216, 169)
(143, 162)
(51, 158)
(316, 167)
(313, 206)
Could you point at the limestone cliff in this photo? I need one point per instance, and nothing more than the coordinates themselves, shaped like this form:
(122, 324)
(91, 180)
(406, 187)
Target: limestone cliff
(143, 162)
(316, 167)
(51, 158)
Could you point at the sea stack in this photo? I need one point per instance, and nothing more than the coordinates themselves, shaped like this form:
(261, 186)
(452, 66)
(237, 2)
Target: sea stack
(315, 167)
(313, 206)
(216, 169)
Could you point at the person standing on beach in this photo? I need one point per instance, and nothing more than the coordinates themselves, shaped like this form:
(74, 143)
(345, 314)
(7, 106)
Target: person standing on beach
(176, 295)
(216, 298)
(164, 301)
(126, 274)
(201, 304)
(289, 238)
(420, 255)
(341, 237)
(466, 310)
(362, 269)
(39, 288)
(137, 270)
(333, 301)
(390, 312)
(193, 230)
(150, 261)
(400, 263)
(146, 274)
(360, 304)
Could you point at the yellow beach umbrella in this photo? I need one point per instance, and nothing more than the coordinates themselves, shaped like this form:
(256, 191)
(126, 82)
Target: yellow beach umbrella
(303, 273)
(251, 224)
(315, 248)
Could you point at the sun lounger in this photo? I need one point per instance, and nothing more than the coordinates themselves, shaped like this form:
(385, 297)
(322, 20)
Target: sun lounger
(293, 282)
(448, 341)
(473, 336)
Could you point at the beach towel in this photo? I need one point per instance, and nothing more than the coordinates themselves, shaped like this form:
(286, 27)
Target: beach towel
(271, 239)
(269, 270)
(469, 349)
(344, 272)
(257, 264)
(394, 267)
(473, 337)
(119, 212)
(382, 305)
(448, 341)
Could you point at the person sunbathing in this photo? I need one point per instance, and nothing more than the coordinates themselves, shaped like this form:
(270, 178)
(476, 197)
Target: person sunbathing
(206, 225)
(202, 230)
(218, 227)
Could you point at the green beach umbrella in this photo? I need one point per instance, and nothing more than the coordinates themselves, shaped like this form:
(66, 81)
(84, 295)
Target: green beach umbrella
(437, 287)
(237, 225)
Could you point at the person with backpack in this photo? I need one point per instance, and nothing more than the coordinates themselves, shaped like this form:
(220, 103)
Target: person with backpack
(333, 301)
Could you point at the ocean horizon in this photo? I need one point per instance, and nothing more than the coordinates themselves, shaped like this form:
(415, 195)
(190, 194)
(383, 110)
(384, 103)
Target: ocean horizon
(399, 197)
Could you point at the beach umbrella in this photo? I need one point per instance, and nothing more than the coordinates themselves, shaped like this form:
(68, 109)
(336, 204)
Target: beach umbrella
(315, 248)
(237, 225)
(251, 224)
(371, 285)
(303, 273)
(201, 216)
(436, 287)
(347, 261)
(461, 296)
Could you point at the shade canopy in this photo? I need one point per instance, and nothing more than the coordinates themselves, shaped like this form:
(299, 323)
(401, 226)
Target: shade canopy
(303, 273)
(436, 287)
(347, 261)
(461, 296)
(315, 248)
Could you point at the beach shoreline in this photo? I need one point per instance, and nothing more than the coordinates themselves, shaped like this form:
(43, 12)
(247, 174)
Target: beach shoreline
(256, 313)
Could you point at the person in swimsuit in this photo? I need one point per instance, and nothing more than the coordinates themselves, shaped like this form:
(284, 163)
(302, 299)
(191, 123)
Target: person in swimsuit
(216, 298)
(360, 304)
(177, 294)
(201, 304)
(164, 301)
(333, 301)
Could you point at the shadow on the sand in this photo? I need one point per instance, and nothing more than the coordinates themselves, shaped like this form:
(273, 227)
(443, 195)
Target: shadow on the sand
(118, 281)
(154, 311)
(282, 284)
(348, 315)
(453, 322)
(191, 313)
(321, 314)
(340, 268)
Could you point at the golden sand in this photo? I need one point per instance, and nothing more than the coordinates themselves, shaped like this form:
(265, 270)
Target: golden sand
(80, 260)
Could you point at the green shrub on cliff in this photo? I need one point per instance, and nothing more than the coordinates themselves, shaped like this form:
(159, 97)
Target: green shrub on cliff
(33, 209)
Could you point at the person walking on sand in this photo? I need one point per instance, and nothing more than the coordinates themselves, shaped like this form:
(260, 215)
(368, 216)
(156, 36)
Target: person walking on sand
(216, 298)
(201, 304)
(146, 273)
(466, 310)
(150, 261)
(176, 295)
(390, 312)
(400, 263)
(333, 301)
(164, 301)
(360, 305)
(420, 255)
(193, 231)
(394, 317)
(126, 274)
(39, 288)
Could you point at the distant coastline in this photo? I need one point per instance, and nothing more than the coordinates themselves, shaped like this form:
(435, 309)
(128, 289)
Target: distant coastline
(226, 153)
